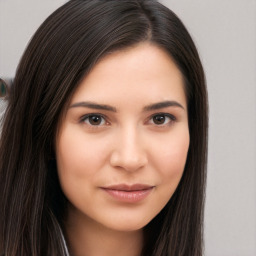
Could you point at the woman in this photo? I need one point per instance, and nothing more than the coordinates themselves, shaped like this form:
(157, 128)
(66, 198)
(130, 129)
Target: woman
(104, 142)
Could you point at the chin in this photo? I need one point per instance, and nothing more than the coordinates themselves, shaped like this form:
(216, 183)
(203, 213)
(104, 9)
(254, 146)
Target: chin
(127, 225)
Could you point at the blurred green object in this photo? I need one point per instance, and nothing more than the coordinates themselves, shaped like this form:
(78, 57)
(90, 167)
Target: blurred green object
(3, 88)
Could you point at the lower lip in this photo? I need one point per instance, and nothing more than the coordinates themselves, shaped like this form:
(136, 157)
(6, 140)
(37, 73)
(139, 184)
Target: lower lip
(128, 196)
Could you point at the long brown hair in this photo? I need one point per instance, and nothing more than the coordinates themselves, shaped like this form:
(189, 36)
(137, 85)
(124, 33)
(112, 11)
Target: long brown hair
(62, 51)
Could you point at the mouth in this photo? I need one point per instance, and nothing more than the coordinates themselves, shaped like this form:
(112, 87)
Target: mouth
(128, 193)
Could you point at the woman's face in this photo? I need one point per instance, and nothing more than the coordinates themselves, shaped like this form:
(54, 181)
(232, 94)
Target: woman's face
(122, 145)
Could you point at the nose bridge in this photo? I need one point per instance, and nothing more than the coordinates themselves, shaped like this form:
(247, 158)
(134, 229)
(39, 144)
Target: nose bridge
(129, 152)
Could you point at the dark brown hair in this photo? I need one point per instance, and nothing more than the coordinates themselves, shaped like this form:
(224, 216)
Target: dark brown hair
(63, 50)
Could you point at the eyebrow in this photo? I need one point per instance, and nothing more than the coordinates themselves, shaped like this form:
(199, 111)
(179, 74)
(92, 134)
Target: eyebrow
(93, 105)
(155, 106)
(164, 104)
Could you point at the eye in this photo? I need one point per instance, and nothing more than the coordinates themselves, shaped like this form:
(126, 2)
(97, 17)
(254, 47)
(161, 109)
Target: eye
(162, 119)
(94, 120)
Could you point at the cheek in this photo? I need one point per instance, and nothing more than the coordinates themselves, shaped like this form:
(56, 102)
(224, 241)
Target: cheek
(172, 165)
(77, 164)
(76, 155)
(171, 158)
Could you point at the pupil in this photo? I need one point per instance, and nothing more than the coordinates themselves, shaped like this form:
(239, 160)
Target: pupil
(159, 119)
(95, 120)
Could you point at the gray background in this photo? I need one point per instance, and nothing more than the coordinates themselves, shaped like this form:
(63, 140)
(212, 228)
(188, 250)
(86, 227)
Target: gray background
(225, 33)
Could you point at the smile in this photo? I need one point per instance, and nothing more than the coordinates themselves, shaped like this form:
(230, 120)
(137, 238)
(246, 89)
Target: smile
(129, 193)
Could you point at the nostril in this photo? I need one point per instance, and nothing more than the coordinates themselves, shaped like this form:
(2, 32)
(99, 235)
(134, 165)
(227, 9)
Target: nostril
(128, 162)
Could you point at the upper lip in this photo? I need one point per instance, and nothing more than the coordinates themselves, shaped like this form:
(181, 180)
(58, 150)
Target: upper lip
(126, 187)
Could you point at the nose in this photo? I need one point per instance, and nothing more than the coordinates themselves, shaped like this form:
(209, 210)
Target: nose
(129, 152)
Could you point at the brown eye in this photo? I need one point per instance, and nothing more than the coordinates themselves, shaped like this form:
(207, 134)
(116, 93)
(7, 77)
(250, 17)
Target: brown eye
(162, 119)
(159, 119)
(93, 119)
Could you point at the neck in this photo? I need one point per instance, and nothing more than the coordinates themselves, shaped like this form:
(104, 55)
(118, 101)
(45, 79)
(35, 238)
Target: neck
(86, 237)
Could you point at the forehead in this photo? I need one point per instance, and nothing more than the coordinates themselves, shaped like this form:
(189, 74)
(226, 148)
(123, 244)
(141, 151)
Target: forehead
(142, 70)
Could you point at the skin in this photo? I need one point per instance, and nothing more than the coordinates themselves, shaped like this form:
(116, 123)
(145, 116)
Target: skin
(129, 142)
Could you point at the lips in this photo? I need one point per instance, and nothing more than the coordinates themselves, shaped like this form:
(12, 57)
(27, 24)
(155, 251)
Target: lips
(134, 187)
(129, 193)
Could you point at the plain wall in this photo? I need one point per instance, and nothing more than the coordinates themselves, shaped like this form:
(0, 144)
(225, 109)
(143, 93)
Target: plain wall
(225, 33)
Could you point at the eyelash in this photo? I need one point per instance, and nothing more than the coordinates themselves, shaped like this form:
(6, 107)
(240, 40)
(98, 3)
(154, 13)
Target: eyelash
(85, 118)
